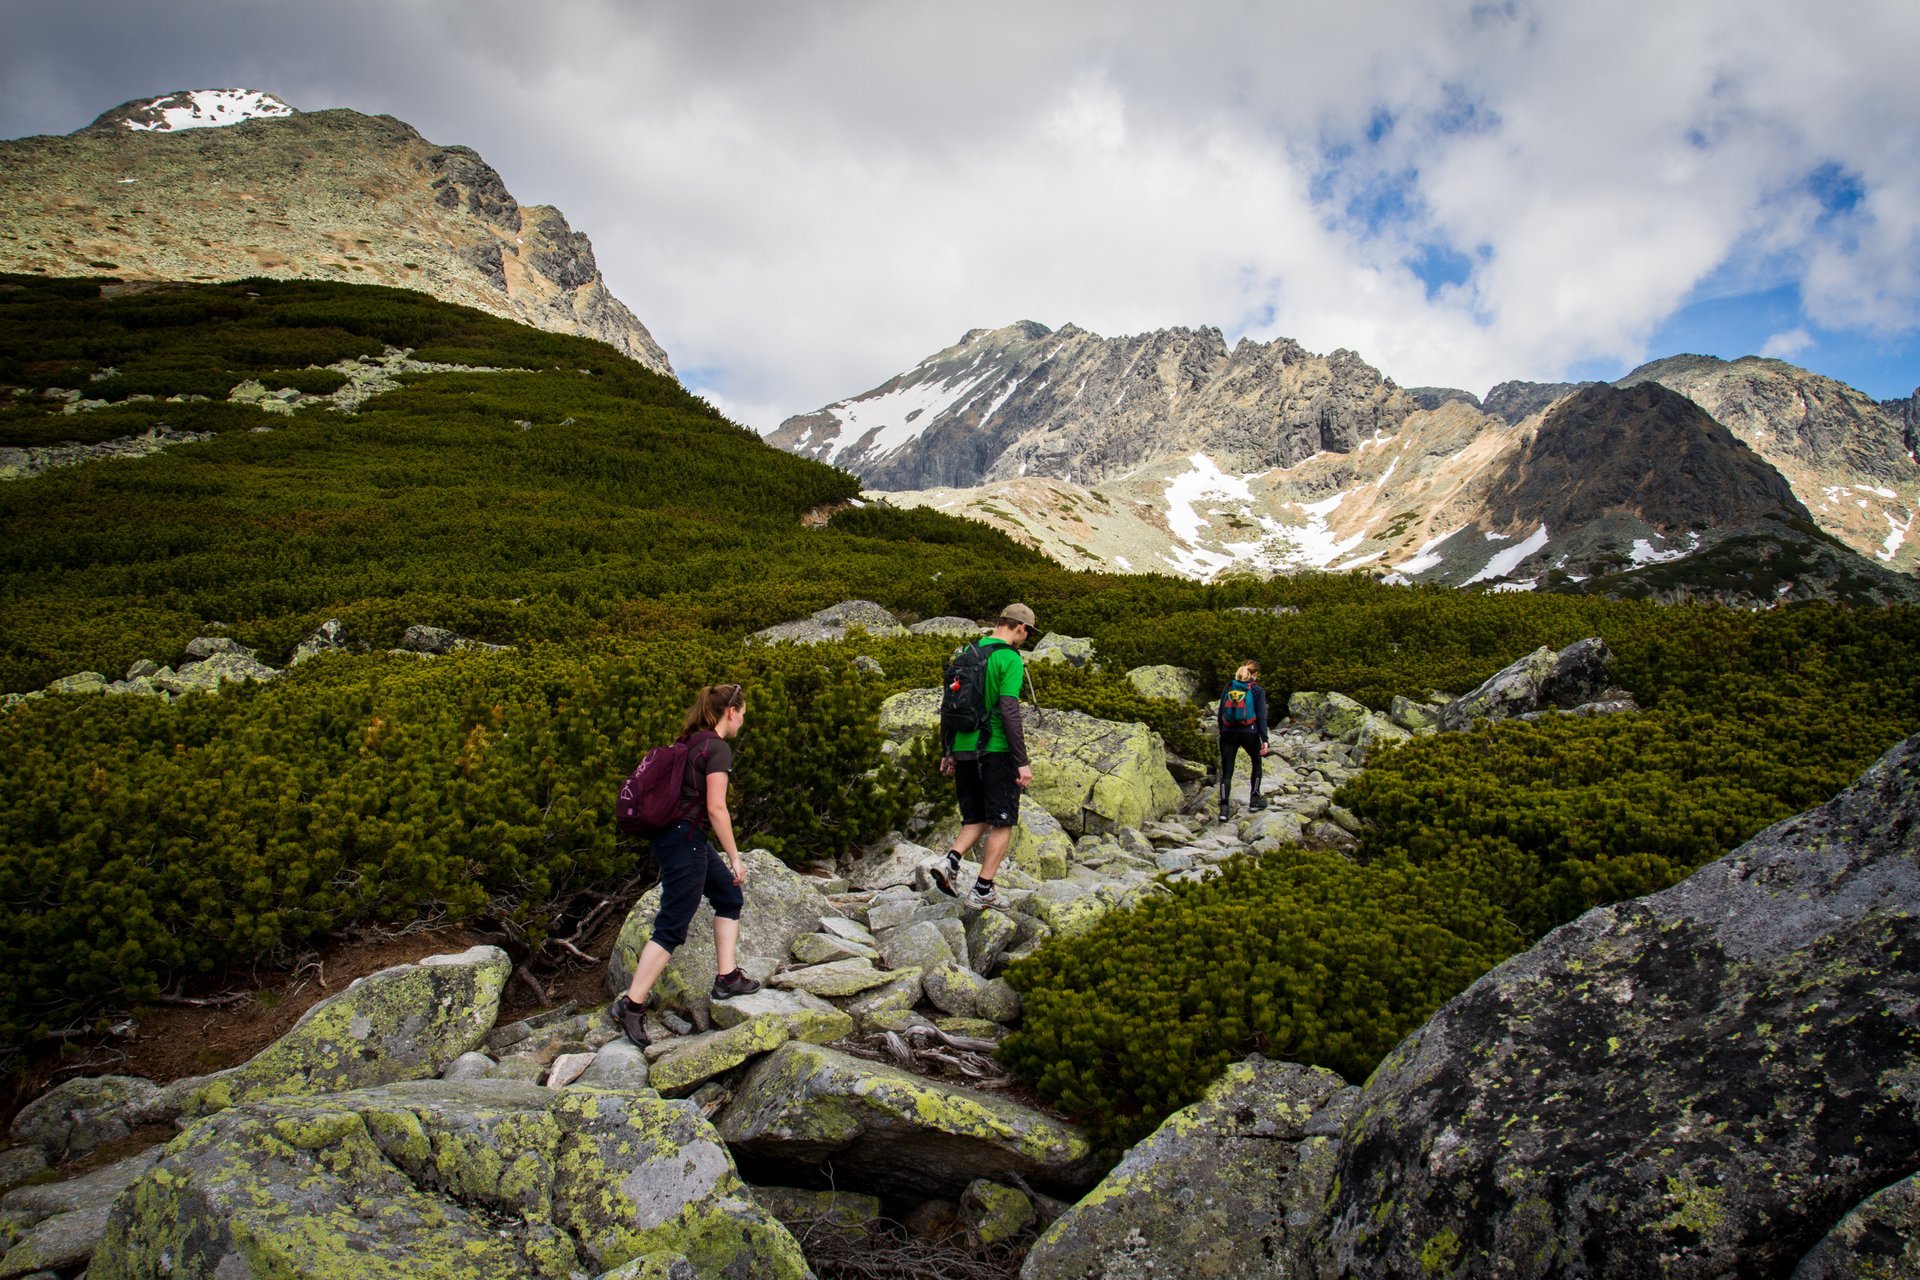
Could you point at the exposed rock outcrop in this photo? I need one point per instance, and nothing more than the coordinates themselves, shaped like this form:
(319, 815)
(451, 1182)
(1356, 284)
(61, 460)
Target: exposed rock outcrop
(1697, 1083)
(313, 195)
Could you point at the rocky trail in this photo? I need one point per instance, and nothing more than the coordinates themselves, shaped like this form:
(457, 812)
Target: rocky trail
(850, 1119)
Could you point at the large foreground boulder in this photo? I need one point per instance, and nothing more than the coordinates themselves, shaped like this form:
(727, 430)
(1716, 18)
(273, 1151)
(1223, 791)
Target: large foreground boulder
(781, 905)
(404, 1023)
(1697, 1083)
(1879, 1240)
(485, 1178)
(1226, 1188)
(889, 1129)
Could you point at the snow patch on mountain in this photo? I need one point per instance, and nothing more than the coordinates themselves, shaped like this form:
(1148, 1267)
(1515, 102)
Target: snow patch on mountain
(206, 109)
(895, 417)
(1505, 562)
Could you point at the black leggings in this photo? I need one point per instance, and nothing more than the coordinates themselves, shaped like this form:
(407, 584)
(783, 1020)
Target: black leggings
(689, 870)
(1232, 742)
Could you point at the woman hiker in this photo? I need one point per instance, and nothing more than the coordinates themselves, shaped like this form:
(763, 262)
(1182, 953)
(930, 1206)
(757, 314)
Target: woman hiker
(1243, 727)
(689, 866)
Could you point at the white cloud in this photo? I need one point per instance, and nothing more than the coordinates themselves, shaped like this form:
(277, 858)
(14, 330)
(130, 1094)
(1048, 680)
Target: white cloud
(1785, 346)
(801, 201)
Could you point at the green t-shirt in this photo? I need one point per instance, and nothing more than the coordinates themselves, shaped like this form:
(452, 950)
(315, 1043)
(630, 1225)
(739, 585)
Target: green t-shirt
(1005, 674)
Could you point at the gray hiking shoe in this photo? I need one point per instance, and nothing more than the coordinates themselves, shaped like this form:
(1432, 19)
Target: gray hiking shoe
(980, 899)
(943, 874)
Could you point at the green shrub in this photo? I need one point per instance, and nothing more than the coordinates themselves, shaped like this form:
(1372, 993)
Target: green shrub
(1298, 955)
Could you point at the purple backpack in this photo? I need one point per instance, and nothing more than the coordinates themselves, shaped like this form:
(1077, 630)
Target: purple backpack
(651, 797)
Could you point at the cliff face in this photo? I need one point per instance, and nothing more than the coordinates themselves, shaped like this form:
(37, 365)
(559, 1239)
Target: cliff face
(1848, 458)
(1026, 400)
(150, 192)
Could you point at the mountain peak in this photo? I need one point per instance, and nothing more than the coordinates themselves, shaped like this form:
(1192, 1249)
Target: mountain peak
(193, 109)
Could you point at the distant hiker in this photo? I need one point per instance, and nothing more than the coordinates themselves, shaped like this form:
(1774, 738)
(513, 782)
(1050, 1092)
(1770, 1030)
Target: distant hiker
(689, 866)
(984, 747)
(1243, 727)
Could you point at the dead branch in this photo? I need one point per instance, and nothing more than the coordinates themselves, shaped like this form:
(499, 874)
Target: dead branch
(205, 1002)
(524, 974)
(568, 947)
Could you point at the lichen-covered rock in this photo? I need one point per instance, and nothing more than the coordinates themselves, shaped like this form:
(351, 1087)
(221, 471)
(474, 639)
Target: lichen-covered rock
(79, 682)
(947, 626)
(1574, 675)
(841, 978)
(1879, 1239)
(847, 1215)
(1073, 651)
(956, 990)
(834, 623)
(1697, 1083)
(920, 945)
(404, 1023)
(1098, 775)
(328, 637)
(886, 1006)
(1414, 717)
(994, 1211)
(619, 1065)
(912, 714)
(781, 904)
(1223, 1189)
(1333, 714)
(693, 1060)
(207, 675)
(888, 1127)
(989, 935)
(438, 1180)
(1165, 681)
(19, 1164)
(807, 1017)
(825, 948)
(200, 648)
(61, 1224)
(890, 863)
(78, 1115)
(1373, 730)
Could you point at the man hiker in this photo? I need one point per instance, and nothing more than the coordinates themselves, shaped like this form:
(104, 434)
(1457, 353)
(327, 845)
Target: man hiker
(989, 766)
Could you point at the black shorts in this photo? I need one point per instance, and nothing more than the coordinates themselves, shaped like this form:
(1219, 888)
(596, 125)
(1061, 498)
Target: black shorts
(989, 789)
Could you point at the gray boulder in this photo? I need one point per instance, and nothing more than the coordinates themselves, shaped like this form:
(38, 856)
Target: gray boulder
(481, 1178)
(79, 682)
(1879, 1239)
(781, 905)
(834, 623)
(1575, 675)
(1165, 681)
(61, 1224)
(208, 674)
(78, 1115)
(889, 863)
(891, 1128)
(947, 626)
(201, 648)
(1229, 1187)
(921, 945)
(1697, 1083)
(328, 637)
(438, 641)
(1072, 651)
(405, 1023)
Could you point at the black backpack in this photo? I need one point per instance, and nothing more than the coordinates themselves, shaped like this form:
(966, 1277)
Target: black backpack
(963, 696)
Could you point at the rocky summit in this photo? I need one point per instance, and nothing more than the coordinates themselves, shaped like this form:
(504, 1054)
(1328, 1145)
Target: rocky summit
(224, 184)
(1171, 451)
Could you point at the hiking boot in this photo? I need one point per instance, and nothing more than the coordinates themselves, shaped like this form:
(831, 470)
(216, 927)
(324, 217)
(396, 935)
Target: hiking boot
(1226, 813)
(729, 985)
(631, 1019)
(1257, 803)
(943, 874)
(981, 899)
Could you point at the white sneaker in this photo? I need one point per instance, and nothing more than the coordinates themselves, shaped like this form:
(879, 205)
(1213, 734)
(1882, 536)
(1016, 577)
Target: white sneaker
(981, 901)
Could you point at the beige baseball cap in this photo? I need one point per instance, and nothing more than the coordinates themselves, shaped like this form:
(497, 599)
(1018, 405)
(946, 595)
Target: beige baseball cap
(1019, 613)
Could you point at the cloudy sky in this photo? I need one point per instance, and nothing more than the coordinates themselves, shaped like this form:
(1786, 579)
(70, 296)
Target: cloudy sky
(801, 200)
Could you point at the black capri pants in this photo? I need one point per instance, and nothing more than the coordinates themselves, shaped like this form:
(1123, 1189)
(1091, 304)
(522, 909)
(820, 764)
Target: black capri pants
(690, 869)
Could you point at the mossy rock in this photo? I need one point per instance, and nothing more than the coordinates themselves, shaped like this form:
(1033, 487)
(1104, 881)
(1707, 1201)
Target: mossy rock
(694, 1060)
(1684, 1064)
(404, 1023)
(1164, 680)
(1214, 1192)
(1333, 714)
(890, 1128)
(444, 1181)
(781, 905)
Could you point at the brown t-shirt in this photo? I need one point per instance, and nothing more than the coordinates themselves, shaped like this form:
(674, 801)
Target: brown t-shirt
(710, 755)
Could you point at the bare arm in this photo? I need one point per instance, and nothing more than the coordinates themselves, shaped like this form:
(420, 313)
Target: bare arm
(720, 819)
